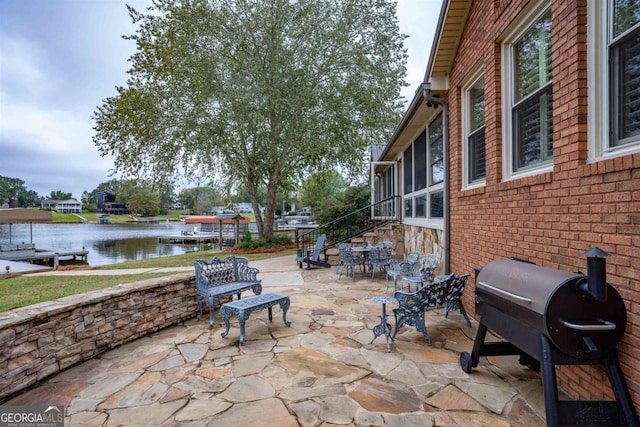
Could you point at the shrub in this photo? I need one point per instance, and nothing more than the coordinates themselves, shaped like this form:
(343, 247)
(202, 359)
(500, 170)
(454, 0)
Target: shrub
(248, 242)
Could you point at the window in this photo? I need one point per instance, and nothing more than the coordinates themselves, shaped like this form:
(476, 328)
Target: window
(528, 98)
(408, 170)
(614, 78)
(420, 164)
(408, 207)
(436, 153)
(421, 206)
(624, 52)
(424, 176)
(436, 208)
(473, 151)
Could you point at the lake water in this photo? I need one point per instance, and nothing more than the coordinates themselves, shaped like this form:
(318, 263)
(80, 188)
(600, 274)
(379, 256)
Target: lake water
(106, 243)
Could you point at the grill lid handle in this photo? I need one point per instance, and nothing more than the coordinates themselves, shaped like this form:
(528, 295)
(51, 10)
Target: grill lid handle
(506, 294)
(604, 326)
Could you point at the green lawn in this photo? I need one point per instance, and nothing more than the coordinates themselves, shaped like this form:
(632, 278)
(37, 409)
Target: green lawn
(172, 216)
(93, 217)
(26, 290)
(187, 259)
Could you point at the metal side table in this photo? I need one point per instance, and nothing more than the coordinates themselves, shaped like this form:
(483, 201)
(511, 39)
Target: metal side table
(383, 328)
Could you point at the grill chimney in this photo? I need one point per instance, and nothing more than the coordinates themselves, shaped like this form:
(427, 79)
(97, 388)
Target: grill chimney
(596, 285)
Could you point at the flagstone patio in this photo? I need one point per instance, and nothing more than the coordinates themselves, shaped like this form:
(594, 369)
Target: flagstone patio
(320, 371)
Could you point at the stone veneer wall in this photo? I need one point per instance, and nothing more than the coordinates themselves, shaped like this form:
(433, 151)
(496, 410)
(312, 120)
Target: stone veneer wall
(41, 340)
(426, 241)
(393, 233)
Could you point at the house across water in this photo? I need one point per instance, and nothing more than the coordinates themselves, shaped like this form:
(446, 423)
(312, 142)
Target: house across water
(62, 206)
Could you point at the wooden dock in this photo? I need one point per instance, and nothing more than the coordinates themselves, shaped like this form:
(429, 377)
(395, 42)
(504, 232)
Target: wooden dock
(196, 239)
(13, 268)
(191, 239)
(47, 256)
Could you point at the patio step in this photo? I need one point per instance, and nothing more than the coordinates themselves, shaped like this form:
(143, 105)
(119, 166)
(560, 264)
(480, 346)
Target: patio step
(332, 256)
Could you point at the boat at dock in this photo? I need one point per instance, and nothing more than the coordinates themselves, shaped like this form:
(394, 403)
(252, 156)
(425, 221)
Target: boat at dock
(221, 230)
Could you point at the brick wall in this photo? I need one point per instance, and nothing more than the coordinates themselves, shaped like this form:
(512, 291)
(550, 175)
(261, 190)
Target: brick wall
(41, 340)
(550, 218)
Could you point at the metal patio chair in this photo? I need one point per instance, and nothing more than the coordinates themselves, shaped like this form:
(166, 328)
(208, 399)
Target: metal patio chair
(350, 260)
(379, 258)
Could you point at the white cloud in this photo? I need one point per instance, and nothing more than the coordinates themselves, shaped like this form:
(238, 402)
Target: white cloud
(60, 58)
(53, 131)
(19, 67)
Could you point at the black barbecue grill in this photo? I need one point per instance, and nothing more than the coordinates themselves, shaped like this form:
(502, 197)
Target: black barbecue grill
(552, 317)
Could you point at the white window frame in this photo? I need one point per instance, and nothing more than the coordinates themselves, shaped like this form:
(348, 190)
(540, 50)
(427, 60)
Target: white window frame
(427, 221)
(518, 29)
(377, 185)
(599, 17)
(469, 83)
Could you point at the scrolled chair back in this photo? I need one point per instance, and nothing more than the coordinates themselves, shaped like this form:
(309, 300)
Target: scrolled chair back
(413, 257)
(380, 254)
(348, 257)
(408, 269)
(386, 244)
(429, 264)
(343, 247)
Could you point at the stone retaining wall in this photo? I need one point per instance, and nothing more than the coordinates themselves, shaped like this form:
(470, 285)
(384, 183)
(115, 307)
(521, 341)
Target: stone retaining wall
(43, 339)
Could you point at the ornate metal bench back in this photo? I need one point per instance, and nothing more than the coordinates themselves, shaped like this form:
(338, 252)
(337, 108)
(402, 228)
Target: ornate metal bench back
(429, 296)
(411, 307)
(219, 271)
(457, 287)
(243, 271)
(454, 296)
(435, 293)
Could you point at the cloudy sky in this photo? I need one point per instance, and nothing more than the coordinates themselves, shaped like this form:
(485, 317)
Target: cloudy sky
(59, 59)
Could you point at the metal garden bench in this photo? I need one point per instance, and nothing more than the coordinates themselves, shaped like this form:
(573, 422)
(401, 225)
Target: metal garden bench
(224, 277)
(412, 305)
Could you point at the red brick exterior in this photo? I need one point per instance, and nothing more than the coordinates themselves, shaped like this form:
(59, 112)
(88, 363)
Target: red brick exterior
(550, 218)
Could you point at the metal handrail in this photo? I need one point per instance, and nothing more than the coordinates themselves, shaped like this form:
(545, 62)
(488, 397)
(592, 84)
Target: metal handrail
(353, 225)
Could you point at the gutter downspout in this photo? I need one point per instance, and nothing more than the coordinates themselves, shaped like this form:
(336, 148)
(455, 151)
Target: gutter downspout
(430, 100)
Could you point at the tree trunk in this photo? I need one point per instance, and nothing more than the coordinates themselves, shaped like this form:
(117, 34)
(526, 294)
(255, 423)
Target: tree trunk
(253, 197)
(270, 209)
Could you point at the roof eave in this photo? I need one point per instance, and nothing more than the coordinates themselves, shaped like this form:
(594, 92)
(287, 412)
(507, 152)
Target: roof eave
(451, 23)
(406, 118)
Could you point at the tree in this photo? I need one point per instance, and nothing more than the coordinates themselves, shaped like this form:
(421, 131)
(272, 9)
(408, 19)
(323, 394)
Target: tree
(113, 186)
(167, 197)
(60, 195)
(200, 199)
(353, 202)
(143, 201)
(256, 92)
(89, 203)
(14, 189)
(140, 197)
(350, 200)
(322, 187)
